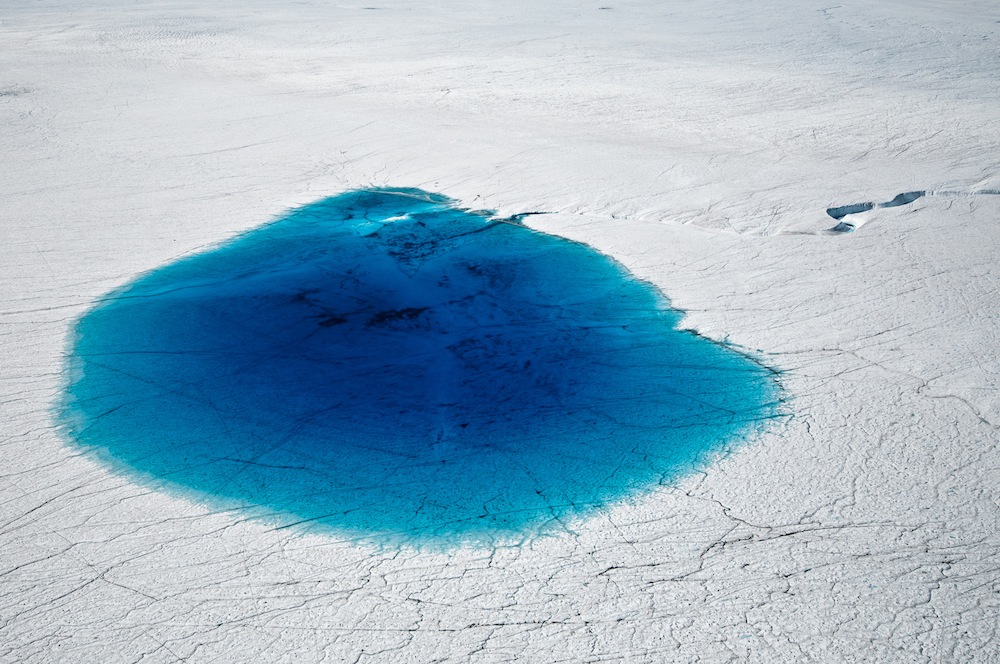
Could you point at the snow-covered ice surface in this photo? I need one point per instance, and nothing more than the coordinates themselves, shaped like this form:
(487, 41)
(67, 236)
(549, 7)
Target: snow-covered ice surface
(699, 144)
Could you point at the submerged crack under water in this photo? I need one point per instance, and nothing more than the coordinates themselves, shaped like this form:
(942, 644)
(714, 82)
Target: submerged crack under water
(382, 363)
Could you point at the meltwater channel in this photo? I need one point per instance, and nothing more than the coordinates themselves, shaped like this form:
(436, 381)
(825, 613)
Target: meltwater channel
(384, 364)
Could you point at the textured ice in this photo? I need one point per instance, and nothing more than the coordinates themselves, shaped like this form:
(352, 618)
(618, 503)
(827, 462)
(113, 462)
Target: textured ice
(698, 144)
(384, 363)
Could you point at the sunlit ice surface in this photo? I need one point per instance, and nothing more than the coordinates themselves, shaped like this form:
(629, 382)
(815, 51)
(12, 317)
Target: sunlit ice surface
(384, 364)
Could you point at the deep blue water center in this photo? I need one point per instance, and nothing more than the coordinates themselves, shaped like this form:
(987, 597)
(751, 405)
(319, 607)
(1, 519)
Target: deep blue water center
(383, 363)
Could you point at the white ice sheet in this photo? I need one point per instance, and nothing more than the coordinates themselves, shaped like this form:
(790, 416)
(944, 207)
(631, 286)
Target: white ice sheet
(698, 143)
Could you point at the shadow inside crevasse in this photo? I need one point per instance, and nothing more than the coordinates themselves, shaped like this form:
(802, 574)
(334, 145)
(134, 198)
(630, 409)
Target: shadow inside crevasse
(382, 363)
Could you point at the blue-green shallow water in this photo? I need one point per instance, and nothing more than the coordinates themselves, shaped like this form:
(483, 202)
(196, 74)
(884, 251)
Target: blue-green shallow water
(381, 363)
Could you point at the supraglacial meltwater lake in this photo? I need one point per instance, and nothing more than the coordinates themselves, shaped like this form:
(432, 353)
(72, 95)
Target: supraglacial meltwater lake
(382, 363)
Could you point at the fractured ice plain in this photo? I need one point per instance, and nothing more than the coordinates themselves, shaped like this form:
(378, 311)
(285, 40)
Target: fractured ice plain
(697, 144)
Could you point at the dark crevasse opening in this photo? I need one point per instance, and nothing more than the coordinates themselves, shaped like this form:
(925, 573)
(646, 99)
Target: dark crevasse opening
(844, 210)
(898, 200)
(905, 198)
(382, 363)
